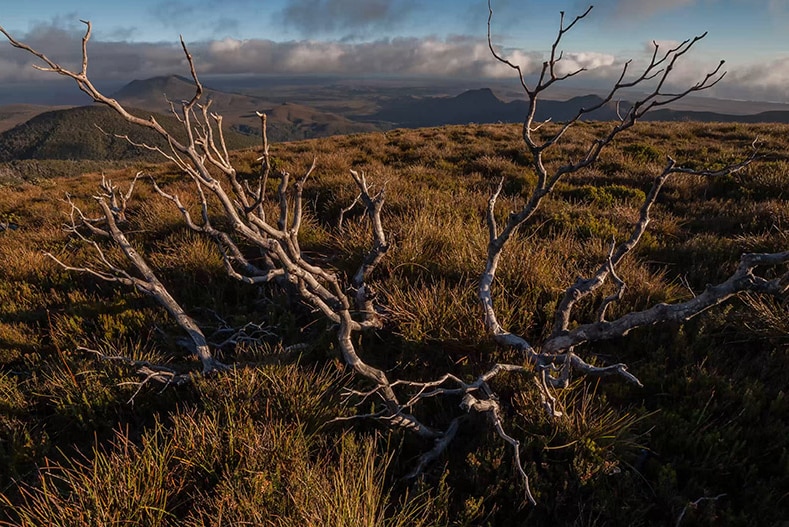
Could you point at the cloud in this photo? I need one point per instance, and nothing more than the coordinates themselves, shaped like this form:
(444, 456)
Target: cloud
(208, 16)
(767, 81)
(647, 8)
(456, 56)
(617, 10)
(314, 17)
(639, 9)
(116, 33)
(778, 6)
(226, 26)
(452, 57)
(572, 62)
(107, 60)
(172, 13)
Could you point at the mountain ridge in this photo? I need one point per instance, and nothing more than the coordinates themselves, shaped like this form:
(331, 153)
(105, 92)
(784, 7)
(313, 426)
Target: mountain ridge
(483, 106)
(239, 110)
(63, 134)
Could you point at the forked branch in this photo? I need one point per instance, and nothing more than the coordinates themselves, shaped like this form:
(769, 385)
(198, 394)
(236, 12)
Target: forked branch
(147, 282)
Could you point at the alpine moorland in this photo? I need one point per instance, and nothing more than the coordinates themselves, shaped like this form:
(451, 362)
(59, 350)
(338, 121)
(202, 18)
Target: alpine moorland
(705, 441)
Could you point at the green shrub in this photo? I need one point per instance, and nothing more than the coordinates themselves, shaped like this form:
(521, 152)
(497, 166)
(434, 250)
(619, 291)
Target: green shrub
(643, 153)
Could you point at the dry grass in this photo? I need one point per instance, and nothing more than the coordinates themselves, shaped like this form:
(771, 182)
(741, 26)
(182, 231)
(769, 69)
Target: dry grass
(252, 445)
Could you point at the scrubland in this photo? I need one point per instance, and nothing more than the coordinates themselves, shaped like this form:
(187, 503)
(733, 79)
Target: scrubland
(81, 443)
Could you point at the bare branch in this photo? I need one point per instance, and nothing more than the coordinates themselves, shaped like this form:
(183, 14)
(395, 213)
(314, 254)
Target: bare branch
(499, 57)
(551, 64)
(148, 283)
(492, 409)
(441, 444)
(620, 289)
(741, 281)
(346, 210)
(151, 371)
(696, 503)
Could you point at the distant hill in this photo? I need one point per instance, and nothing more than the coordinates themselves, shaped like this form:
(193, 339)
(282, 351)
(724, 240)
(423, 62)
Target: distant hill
(152, 95)
(72, 134)
(304, 122)
(285, 121)
(12, 115)
(709, 117)
(482, 106)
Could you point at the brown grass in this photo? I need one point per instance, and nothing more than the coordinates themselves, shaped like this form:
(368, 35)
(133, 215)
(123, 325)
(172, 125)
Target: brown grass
(252, 445)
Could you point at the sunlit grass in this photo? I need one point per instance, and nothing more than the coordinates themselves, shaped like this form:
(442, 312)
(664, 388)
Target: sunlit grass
(253, 445)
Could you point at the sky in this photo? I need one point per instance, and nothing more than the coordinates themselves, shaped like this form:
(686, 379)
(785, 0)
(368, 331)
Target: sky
(408, 38)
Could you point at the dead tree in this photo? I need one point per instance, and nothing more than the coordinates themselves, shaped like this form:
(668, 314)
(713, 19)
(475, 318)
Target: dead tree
(554, 359)
(348, 305)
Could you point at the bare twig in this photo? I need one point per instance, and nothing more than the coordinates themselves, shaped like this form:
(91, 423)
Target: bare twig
(695, 504)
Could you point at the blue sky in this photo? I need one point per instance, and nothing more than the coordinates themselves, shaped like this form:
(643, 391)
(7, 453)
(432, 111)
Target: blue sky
(403, 37)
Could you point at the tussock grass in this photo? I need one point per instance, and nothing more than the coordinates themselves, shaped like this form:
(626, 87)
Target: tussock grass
(252, 445)
(435, 311)
(130, 484)
(245, 457)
